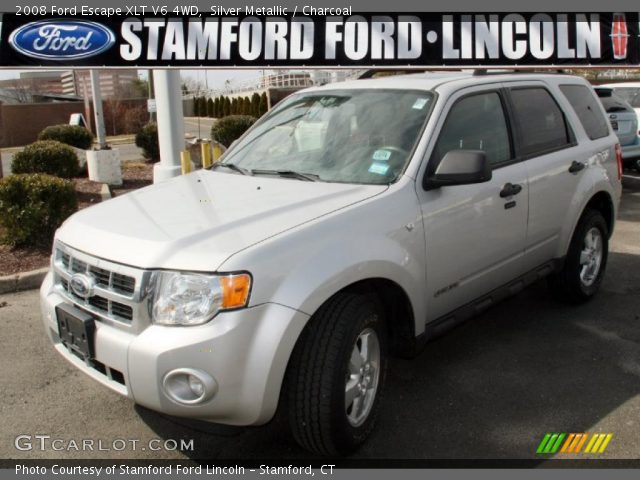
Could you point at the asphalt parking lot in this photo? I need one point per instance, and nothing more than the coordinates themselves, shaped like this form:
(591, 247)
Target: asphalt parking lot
(489, 389)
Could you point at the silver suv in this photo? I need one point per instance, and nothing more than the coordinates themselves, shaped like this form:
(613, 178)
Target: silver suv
(353, 222)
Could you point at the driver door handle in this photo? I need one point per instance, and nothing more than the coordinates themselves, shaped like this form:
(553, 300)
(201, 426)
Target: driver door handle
(576, 166)
(510, 189)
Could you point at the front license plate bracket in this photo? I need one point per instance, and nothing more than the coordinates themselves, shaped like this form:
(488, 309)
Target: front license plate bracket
(77, 331)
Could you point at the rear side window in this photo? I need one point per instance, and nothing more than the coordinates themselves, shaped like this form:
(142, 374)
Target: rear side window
(587, 109)
(541, 123)
(476, 122)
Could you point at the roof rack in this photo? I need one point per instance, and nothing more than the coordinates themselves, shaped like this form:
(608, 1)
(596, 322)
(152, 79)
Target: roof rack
(371, 73)
(501, 71)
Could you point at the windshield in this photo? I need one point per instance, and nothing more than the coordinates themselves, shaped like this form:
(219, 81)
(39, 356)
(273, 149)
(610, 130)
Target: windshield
(352, 136)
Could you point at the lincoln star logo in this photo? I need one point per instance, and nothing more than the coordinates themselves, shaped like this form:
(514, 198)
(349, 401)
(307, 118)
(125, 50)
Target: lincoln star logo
(61, 40)
(82, 285)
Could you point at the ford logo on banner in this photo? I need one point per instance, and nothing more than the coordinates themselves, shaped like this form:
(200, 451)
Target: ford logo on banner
(61, 39)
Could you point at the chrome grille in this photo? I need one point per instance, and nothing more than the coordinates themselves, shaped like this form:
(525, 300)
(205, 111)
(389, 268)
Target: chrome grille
(117, 291)
(116, 281)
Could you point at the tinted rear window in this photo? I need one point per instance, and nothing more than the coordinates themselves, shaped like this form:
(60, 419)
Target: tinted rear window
(586, 106)
(540, 121)
(615, 104)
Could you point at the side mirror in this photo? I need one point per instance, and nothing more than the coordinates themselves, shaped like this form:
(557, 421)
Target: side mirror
(460, 167)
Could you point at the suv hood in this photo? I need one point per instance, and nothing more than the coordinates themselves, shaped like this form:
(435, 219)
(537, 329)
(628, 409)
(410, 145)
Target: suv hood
(195, 222)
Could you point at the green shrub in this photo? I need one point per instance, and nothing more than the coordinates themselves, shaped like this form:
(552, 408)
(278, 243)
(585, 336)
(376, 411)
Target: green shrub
(47, 156)
(147, 140)
(33, 206)
(230, 128)
(73, 135)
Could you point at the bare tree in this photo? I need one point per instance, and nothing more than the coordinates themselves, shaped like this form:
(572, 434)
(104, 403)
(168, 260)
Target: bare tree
(20, 90)
(192, 85)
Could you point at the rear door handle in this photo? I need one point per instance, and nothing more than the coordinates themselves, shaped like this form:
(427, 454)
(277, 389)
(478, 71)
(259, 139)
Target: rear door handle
(576, 166)
(510, 189)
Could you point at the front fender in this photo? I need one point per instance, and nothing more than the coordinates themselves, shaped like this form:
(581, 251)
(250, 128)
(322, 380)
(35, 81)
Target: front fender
(304, 267)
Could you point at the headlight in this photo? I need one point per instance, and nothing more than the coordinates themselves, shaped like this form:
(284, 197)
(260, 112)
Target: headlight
(194, 298)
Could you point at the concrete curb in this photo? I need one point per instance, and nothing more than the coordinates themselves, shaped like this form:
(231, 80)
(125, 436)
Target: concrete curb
(22, 281)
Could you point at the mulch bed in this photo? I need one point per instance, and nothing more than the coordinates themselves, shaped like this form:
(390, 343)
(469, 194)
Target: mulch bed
(134, 175)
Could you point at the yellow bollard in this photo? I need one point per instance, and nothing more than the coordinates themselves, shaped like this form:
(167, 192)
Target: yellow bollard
(185, 158)
(205, 149)
(217, 151)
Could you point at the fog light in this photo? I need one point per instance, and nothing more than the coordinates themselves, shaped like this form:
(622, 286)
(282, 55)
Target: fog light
(189, 386)
(196, 386)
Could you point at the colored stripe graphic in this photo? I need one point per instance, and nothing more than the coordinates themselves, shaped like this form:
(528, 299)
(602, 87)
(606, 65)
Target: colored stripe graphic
(573, 443)
(551, 443)
(581, 443)
(598, 443)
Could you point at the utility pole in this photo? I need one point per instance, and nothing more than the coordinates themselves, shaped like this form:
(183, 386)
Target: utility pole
(97, 109)
(150, 86)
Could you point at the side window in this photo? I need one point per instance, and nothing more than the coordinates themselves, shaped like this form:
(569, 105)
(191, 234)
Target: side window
(476, 122)
(586, 106)
(540, 121)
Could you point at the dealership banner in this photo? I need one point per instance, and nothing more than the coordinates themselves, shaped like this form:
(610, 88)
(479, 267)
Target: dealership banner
(138, 36)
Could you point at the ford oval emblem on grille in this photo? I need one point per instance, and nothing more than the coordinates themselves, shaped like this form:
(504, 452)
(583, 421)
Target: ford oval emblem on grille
(82, 285)
(61, 40)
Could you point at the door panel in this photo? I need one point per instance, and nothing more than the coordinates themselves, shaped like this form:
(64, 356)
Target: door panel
(551, 190)
(541, 126)
(474, 244)
(474, 237)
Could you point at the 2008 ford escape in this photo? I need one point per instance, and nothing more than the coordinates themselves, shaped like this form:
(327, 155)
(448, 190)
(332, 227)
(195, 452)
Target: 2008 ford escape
(353, 222)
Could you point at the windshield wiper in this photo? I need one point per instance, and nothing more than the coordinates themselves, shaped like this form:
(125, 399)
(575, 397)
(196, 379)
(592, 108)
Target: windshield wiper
(310, 177)
(232, 166)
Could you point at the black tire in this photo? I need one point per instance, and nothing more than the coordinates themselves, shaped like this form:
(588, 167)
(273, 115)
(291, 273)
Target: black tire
(567, 285)
(319, 368)
(636, 164)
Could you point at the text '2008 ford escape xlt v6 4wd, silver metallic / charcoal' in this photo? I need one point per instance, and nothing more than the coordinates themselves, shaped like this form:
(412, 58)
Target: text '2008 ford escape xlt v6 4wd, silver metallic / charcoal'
(352, 222)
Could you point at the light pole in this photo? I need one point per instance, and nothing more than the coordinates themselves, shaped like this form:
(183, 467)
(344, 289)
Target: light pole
(170, 119)
(96, 95)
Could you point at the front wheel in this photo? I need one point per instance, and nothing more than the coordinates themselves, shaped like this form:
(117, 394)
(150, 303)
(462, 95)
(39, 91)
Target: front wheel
(336, 375)
(586, 260)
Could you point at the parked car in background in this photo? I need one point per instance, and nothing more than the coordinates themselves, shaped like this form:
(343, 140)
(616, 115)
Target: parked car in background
(628, 91)
(624, 120)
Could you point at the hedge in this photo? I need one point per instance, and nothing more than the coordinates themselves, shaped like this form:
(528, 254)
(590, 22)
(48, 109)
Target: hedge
(33, 206)
(47, 156)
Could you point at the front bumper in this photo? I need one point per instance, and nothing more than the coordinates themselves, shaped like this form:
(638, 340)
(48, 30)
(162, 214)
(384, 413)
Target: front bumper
(245, 351)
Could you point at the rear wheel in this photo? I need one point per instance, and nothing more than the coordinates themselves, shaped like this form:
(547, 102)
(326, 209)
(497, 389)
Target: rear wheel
(585, 264)
(336, 375)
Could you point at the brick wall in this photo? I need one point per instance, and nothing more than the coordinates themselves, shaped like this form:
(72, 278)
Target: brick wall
(21, 123)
